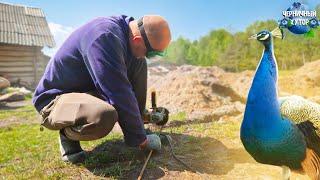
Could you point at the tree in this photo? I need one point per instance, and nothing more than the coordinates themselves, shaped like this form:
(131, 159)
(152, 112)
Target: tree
(235, 52)
(177, 51)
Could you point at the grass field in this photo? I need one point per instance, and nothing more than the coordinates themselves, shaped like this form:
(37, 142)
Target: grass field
(211, 147)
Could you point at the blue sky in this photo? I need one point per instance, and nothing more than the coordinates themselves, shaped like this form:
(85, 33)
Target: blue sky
(188, 18)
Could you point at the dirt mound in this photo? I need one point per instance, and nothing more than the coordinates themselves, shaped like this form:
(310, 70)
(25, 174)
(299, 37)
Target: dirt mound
(240, 82)
(315, 99)
(310, 72)
(210, 91)
(304, 81)
(199, 91)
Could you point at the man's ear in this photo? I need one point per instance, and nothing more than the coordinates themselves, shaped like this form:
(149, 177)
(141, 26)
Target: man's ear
(137, 39)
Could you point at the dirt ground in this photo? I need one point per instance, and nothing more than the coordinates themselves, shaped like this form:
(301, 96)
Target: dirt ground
(215, 158)
(214, 153)
(10, 109)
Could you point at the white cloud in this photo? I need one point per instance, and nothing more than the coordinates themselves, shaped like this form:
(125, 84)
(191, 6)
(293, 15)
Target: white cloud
(60, 34)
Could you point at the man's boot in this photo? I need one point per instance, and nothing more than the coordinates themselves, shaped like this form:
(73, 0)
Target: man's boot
(71, 151)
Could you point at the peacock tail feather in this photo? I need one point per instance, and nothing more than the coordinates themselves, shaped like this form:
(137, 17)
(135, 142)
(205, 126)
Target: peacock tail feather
(306, 115)
(299, 110)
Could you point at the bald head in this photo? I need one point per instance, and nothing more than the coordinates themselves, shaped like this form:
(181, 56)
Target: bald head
(157, 30)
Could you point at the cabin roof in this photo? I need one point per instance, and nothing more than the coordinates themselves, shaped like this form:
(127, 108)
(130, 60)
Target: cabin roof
(22, 25)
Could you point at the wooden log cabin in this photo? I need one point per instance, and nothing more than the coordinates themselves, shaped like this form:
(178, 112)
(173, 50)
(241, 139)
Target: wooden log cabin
(24, 32)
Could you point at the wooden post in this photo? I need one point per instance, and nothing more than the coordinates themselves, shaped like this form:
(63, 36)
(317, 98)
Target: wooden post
(35, 59)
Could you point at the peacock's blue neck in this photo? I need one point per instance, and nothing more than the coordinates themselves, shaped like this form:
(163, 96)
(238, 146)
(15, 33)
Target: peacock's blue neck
(262, 110)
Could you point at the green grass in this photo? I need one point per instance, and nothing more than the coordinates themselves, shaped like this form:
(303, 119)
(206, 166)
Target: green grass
(283, 73)
(28, 153)
(26, 113)
(213, 128)
(181, 116)
(218, 129)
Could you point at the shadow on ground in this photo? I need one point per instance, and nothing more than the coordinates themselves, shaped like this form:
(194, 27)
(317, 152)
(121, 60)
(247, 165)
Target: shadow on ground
(14, 104)
(4, 106)
(204, 154)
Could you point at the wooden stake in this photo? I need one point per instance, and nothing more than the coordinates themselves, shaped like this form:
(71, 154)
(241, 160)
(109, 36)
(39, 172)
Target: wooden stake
(145, 165)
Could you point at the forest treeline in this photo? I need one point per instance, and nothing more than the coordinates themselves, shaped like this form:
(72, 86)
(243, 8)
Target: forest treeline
(235, 52)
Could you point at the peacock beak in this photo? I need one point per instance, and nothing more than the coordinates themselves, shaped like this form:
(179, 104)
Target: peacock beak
(255, 36)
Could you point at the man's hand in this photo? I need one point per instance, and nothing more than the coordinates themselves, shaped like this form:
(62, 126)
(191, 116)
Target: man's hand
(153, 142)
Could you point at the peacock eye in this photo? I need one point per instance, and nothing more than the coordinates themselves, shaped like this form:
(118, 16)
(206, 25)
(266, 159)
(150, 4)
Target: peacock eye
(264, 37)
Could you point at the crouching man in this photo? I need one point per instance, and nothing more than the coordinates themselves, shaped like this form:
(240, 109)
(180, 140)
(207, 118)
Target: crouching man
(99, 77)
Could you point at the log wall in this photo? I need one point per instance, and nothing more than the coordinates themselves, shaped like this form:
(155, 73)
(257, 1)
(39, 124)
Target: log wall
(22, 65)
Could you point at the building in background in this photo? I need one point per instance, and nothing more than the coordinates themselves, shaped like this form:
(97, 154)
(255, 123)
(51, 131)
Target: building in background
(24, 31)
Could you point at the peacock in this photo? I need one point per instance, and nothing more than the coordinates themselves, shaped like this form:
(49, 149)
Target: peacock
(280, 131)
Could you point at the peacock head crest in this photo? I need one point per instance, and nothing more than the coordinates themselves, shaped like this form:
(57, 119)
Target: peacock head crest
(265, 36)
(262, 36)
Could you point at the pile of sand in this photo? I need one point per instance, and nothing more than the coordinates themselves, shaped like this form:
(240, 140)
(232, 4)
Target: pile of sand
(198, 91)
(304, 81)
(310, 73)
(210, 91)
(240, 82)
